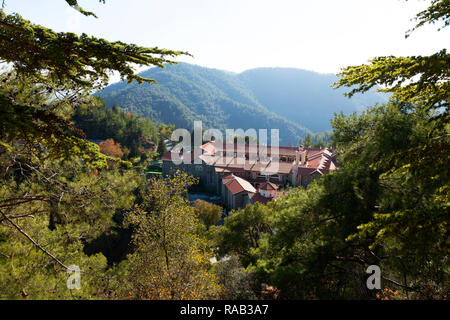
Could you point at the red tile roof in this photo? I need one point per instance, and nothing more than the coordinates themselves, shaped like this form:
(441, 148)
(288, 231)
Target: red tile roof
(268, 186)
(257, 197)
(167, 156)
(303, 171)
(229, 170)
(213, 147)
(317, 158)
(238, 185)
(314, 163)
(226, 179)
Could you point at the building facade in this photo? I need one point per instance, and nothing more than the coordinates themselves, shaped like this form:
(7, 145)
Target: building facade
(240, 173)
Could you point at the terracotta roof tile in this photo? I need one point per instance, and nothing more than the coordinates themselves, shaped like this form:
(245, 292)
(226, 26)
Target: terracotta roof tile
(167, 156)
(314, 163)
(268, 186)
(214, 147)
(226, 179)
(238, 185)
(256, 197)
(317, 158)
(305, 171)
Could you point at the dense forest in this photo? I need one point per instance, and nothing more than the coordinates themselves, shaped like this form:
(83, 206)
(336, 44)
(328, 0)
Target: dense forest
(138, 135)
(296, 102)
(186, 93)
(66, 206)
(305, 97)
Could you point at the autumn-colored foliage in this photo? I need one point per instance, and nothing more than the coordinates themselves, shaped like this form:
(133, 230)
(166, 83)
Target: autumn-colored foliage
(111, 148)
(388, 294)
(271, 293)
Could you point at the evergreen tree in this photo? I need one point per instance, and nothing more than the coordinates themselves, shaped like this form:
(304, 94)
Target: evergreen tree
(307, 141)
(48, 211)
(170, 261)
(35, 53)
(162, 149)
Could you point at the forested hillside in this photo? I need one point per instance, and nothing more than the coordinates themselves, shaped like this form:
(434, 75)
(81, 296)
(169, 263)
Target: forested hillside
(135, 134)
(304, 97)
(185, 93)
(295, 101)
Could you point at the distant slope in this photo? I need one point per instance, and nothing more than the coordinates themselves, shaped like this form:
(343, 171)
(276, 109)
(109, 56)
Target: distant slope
(303, 96)
(294, 102)
(185, 93)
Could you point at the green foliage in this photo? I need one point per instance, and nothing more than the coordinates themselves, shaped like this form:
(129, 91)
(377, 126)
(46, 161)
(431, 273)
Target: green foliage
(208, 213)
(318, 140)
(74, 4)
(27, 273)
(51, 57)
(57, 200)
(412, 211)
(221, 100)
(307, 141)
(306, 256)
(97, 122)
(241, 232)
(236, 284)
(417, 81)
(386, 205)
(49, 210)
(39, 115)
(438, 11)
(412, 221)
(66, 67)
(162, 149)
(319, 242)
(170, 260)
(165, 131)
(246, 139)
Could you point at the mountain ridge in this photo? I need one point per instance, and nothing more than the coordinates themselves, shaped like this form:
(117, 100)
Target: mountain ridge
(266, 98)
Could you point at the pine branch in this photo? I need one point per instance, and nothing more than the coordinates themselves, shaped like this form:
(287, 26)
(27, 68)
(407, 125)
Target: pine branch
(32, 241)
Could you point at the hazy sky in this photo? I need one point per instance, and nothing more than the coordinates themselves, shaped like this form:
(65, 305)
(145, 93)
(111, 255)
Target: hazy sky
(235, 35)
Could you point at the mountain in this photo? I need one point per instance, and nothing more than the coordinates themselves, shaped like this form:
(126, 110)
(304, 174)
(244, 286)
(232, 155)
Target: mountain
(294, 101)
(304, 97)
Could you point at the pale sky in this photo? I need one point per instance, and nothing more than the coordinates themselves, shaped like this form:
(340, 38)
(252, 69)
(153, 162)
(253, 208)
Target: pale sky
(236, 35)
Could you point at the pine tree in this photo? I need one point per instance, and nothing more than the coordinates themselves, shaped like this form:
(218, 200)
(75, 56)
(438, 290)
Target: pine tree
(170, 261)
(162, 149)
(35, 53)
